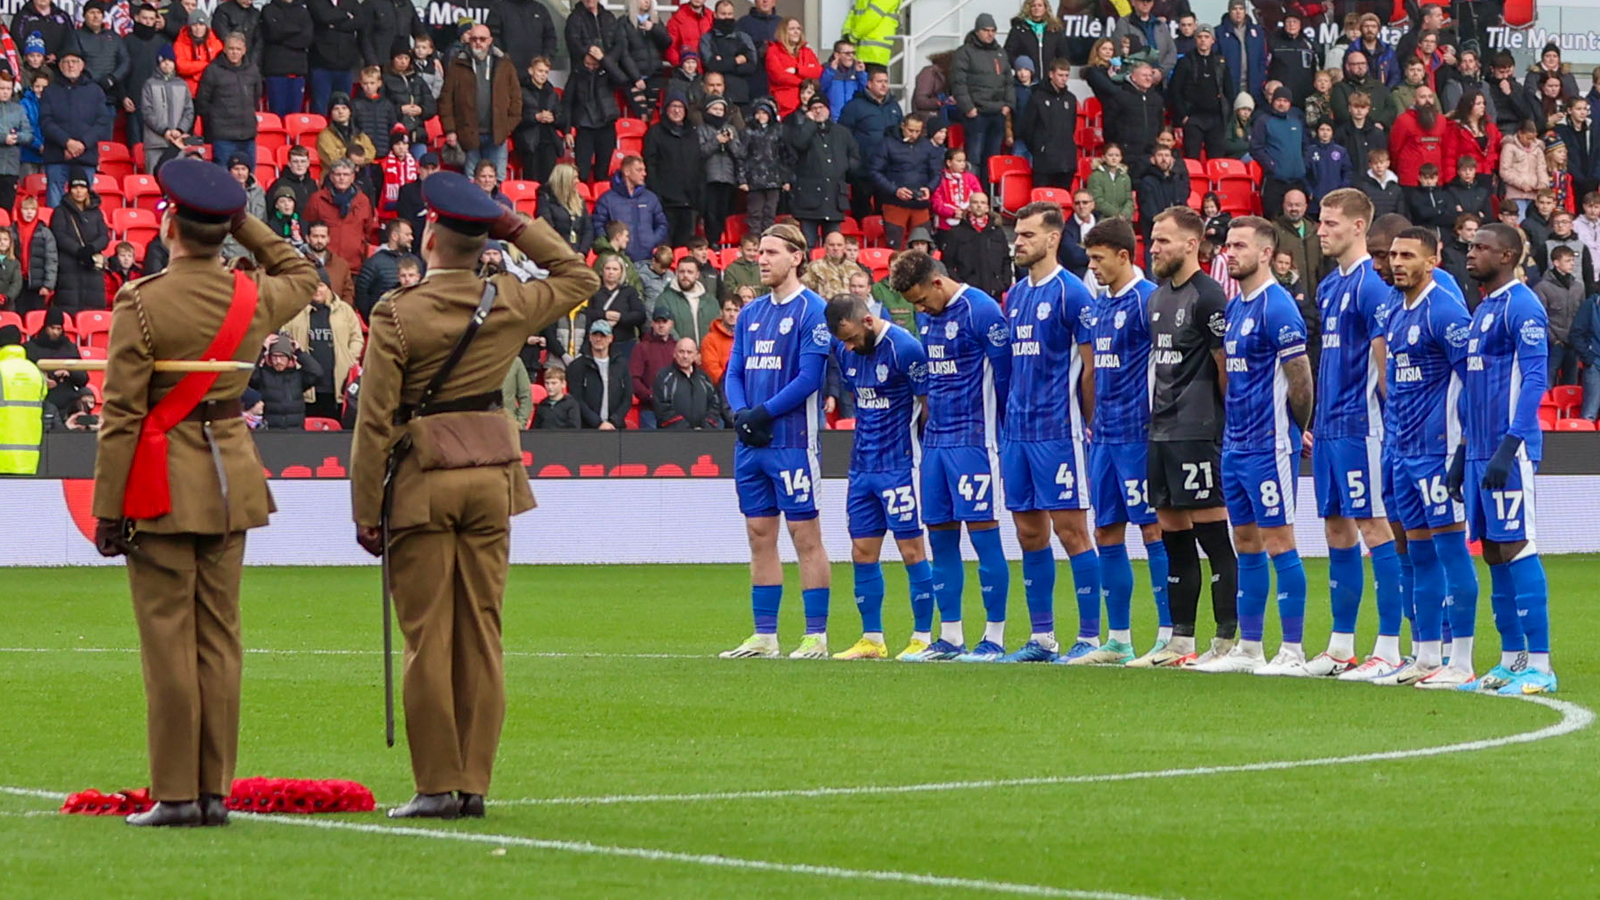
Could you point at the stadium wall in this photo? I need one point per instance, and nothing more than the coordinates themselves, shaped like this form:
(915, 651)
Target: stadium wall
(629, 498)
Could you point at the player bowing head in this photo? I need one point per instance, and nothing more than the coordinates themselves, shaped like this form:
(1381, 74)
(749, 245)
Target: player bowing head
(1039, 227)
(923, 281)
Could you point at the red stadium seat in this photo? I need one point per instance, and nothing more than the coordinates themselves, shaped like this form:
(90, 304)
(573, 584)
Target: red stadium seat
(266, 173)
(1089, 110)
(1197, 173)
(116, 160)
(631, 128)
(1235, 187)
(727, 257)
(141, 192)
(92, 352)
(524, 195)
(844, 424)
(318, 423)
(850, 227)
(1052, 195)
(875, 258)
(1547, 417)
(10, 318)
(135, 223)
(108, 188)
(1567, 398)
(33, 185)
(872, 231)
(33, 323)
(1014, 176)
(298, 125)
(1574, 425)
(94, 327)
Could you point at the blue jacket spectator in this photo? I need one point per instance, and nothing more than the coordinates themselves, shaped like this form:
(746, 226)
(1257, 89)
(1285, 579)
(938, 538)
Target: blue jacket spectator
(33, 151)
(869, 119)
(1381, 59)
(1243, 46)
(73, 109)
(1278, 143)
(1328, 168)
(631, 202)
(910, 161)
(840, 87)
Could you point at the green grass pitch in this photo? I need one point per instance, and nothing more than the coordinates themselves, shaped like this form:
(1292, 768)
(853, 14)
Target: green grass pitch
(1510, 821)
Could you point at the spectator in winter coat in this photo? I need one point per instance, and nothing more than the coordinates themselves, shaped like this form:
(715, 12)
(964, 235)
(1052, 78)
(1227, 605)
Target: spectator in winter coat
(685, 397)
(373, 112)
(18, 133)
(642, 45)
(1453, 257)
(1522, 166)
(1133, 112)
(1163, 184)
(335, 141)
(676, 169)
(687, 26)
(1360, 134)
(144, 42)
(824, 154)
(634, 205)
(688, 301)
(105, 56)
(286, 33)
(1562, 292)
(74, 117)
(335, 48)
(617, 303)
(1036, 34)
(761, 23)
(1550, 64)
(905, 171)
(538, 137)
(49, 20)
(1380, 56)
(1472, 134)
(1149, 34)
(33, 152)
(790, 61)
(843, 77)
(1111, 185)
(1581, 136)
(296, 176)
(1236, 134)
(1428, 204)
(560, 204)
(650, 355)
(722, 151)
(1243, 46)
(1049, 127)
(480, 130)
(718, 343)
(286, 372)
(1512, 104)
(413, 100)
(347, 212)
(1469, 77)
(591, 110)
(81, 237)
(427, 64)
(1585, 338)
(37, 256)
(1360, 79)
(524, 29)
(1328, 165)
(226, 100)
(728, 51)
(1297, 236)
(1470, 191)
(767, 167)
(981, 80)
(380, 272)
(241, 17)
(557, 411)
(329, 330)
(1278, 143)
(600, 382)
(1413, 76)
(953, 195)
(195, 48)
(1380, 184)
(976, 250)
(1202, 95)
(871, 116)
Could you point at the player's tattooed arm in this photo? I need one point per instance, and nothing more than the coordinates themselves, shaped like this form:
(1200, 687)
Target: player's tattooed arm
(1302, 397)
(1379, 361)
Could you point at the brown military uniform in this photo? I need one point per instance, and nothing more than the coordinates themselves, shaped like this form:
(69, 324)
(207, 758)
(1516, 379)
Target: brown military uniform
(185, 568)
(450, 527)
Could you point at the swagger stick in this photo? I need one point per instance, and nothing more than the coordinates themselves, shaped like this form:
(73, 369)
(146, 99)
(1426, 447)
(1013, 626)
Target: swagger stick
(161, 365)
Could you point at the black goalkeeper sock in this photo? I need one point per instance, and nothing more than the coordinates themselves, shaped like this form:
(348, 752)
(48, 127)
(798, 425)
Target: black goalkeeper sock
(1214, 539)
(1183, 580)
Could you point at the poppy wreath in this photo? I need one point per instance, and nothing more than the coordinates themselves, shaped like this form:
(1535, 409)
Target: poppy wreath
(251, 795)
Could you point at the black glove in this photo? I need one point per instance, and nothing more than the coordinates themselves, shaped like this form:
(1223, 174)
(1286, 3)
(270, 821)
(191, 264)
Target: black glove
(1456, 475)
(111, 536)
(508, 226)
(1498, 473)
(86, 255)
(754, 426)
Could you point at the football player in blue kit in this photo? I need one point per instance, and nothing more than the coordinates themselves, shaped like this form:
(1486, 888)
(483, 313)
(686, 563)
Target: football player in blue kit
(1269, 401)
(1505, 379)
(969, 375)
(1118, 482)
(887, 370)
(1043, 438)
(775, 373)
(1347, 453)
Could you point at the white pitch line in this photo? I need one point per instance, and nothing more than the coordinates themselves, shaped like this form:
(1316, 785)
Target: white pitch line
(705, 859)
(262, 651)
(1573, 718)
(32, 792)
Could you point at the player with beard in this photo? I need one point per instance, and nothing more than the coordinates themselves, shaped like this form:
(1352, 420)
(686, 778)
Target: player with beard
(1418, 137)
(1188, 317)
(1346, 457)
(1269, 399)
(1494, 467)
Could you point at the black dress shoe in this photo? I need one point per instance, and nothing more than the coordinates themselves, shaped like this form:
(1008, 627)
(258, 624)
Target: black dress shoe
(212, 810)
(428, 806)
(471, 806)
(181, 814)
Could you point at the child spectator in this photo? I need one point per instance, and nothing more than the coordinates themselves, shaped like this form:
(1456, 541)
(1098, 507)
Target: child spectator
(718, 342)
(1217, 220)
(1555, 163)
(282, 217)
(399, 170)
(557, 411)
(121, 268)
(1380, 185)
(1327, 164)
(335, 141)
(1471, 193)
(957, 186)
(767, 167)
(1236, 137)
(1319, 105)
(1522, 166)
(10, 272)
(744, 270)
(1111, 186)
(1360, 134)
(1429, 205)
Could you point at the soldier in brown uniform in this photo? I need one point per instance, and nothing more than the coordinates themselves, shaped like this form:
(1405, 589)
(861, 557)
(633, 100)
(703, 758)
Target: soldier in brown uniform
(178, 479)
(455, 490)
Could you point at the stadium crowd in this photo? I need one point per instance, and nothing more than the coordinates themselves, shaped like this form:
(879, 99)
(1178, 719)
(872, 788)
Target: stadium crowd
(677, 138)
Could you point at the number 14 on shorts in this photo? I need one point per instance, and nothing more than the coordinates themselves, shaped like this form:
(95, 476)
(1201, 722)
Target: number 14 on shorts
(796, 483)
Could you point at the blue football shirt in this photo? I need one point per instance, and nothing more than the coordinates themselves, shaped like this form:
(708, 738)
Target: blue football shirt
(1048, 322)
(1121, 333)
(1265, 330)
(969, 370)
(1507, 371)
(770, 338)
(886, 384)
(1348, 381)
(1427, 344)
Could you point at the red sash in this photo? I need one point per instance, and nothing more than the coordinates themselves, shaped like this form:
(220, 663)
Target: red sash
(148, 494)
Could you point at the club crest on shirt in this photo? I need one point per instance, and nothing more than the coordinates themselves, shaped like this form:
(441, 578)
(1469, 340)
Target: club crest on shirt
(1246, 327)
(950, 330)
(882, 372)
(1456, 335)
(786, 326)
(1177, 318)
(999, 334)
(820, 335)
(1345, 303)
(1042, 311)
(1120, 319)
(1532, 333)
(1413, 333)
(1488, 320)
(1218, 323)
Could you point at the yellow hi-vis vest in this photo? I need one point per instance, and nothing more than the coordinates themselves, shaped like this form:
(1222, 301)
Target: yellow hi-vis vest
(22, 390)
(872, 24)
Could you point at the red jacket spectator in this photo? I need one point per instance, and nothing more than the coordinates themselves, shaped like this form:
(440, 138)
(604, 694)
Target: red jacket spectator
(1459, 142)
(685, 29)
(347, 234)
(785, 72)
(652, 354)
(192, 59)
(1411, 145)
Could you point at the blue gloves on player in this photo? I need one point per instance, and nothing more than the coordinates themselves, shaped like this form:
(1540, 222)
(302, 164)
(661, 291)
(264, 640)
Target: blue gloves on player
(1456, 475)
(1498, 473)
(754, 426)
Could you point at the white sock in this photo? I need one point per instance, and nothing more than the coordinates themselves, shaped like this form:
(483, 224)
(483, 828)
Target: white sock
(1341, 645)
(1287, 647)
(1387, 648)
(995, 631)
(1449, 649)
(1046, 639)
(872, 636)
(1164, 633)
(1251, 647)
(951, 631)
(1122, 636)
(1461, 654)
(1181, 645)
(1539, 662)
(1508, 658)
(924, 636)
(1428, 652)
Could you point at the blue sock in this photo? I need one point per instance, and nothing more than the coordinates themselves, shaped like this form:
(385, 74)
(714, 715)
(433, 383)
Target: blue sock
(1427, 591)
(949, 572)
(816, 604)
(1254, 583)
(1292, 594)
(1039, 586)
(1086, 581)
(764, 602)
(1503, 599)
(994, 573)
(1346, 581)
(1158, 582)
(1116, 582)
(1386, 583)
(1533, 601)
(1408, 580)
(1461, 579)
(869, 595)
(921, 577)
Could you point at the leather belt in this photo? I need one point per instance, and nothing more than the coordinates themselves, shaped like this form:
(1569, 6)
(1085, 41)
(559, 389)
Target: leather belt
(215, 411)
(485, 402)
